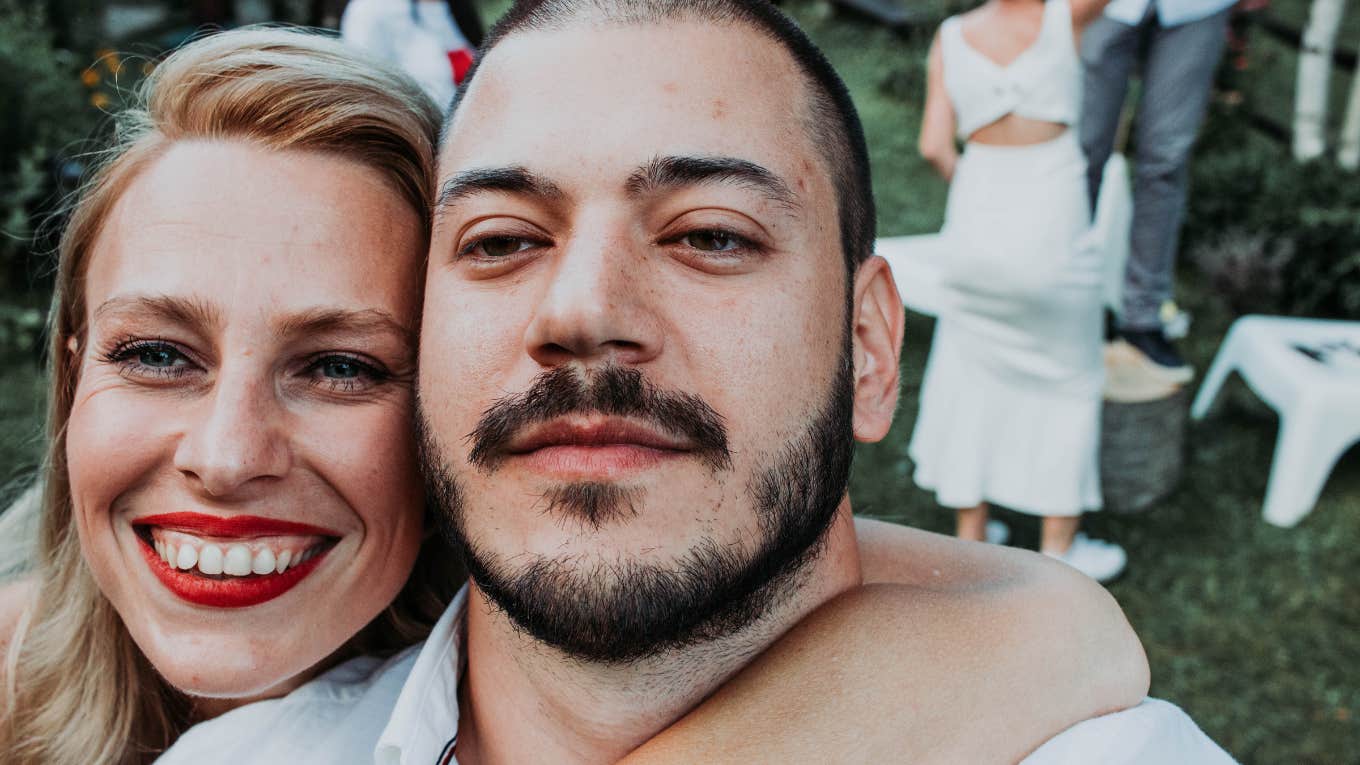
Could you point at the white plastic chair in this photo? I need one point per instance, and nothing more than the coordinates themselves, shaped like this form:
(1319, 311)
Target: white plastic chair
(1307, 370)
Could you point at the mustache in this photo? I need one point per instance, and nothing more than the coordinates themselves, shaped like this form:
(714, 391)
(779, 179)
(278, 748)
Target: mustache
(613, 391)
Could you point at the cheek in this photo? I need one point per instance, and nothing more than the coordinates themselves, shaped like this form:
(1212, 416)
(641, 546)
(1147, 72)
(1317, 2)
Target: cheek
(114, 444)
(766, 365)
(469, 354)
(370, 460)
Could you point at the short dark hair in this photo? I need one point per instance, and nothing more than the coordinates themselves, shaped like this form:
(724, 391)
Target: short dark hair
(833, 122)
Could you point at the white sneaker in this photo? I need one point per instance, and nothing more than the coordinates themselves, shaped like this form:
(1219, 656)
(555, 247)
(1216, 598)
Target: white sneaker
(1100, 560)
(997, 533)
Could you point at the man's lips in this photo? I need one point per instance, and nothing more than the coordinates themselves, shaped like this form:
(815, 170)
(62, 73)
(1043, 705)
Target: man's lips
(594, 448)
(594, 433)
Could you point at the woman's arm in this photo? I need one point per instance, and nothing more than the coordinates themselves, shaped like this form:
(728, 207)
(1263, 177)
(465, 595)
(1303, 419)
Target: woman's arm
(976, 654)
(936, 143)
(1086, 11)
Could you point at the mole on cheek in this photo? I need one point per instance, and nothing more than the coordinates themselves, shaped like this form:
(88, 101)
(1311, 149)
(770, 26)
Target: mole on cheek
(719, 109)
(670, 87)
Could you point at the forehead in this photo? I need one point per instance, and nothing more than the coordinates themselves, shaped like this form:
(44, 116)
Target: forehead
(247, 226)
(607, 98)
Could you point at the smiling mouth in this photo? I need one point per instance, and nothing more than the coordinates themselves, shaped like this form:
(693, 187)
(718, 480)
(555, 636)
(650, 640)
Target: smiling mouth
(229, 563)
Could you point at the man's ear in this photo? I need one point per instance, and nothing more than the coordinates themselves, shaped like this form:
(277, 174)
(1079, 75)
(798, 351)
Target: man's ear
(878, 326)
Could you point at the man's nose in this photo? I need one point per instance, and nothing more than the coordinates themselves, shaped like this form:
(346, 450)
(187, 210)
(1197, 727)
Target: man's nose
(599, 304)
(236, 437)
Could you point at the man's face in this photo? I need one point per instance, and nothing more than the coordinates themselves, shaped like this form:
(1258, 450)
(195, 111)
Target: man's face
(635, 334)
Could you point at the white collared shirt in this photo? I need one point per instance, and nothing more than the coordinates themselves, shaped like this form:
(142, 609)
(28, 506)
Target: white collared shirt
(366, 710)
(423, 726)
(1171, 13)
(404, 711)
(1152, 733)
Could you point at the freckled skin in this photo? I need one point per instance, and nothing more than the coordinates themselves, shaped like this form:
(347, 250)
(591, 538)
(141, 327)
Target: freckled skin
(246, 429)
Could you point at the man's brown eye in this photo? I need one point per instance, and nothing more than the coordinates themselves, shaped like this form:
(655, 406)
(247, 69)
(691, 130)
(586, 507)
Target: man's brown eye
(713, 241)
(502, 246)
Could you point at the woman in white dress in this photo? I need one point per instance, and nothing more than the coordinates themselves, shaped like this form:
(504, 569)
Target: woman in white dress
(1010, 407)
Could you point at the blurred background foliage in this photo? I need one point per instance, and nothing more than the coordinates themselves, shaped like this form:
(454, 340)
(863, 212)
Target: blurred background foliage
(1254, 630)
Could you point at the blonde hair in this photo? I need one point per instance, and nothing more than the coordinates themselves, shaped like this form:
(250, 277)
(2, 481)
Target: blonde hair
(76, 688)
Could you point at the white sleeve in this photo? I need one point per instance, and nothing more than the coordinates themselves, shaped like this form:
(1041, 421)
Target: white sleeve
(1152, 733)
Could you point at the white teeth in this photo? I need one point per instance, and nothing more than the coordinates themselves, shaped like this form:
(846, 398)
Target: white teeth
(210, 560)
(187, 558)
(264, 561)
(237, 561)
(185, 552)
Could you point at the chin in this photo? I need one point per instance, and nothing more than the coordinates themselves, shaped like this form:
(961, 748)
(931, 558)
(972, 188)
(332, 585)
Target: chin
(243, 668)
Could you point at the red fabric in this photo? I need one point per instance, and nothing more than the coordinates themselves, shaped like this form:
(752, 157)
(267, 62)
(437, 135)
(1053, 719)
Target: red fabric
(461, 61)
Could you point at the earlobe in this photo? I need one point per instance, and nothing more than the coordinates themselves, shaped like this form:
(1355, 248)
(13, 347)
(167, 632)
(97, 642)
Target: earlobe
(878, 330)
(73, 345)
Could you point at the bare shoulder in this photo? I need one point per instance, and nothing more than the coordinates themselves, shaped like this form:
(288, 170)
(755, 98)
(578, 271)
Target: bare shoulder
(1003, 597)
(893, 553)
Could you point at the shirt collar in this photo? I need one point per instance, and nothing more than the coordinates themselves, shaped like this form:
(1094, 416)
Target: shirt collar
(424, 723)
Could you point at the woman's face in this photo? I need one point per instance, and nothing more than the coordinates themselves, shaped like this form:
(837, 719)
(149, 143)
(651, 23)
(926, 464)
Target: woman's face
(240, 451)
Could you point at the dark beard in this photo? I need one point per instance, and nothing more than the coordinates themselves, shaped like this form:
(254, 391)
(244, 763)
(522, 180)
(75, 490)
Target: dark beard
(623, 612)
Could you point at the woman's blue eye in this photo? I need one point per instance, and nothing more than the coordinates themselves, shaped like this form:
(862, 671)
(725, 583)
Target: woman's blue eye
(341, 369)
(345, 374)
(150, 360)
(158, 357)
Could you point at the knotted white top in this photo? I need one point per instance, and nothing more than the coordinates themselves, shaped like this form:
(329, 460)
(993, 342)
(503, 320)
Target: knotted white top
(1043, 83)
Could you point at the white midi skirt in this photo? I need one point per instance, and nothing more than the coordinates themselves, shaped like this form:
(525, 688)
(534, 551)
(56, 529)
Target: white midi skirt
(1010, 405)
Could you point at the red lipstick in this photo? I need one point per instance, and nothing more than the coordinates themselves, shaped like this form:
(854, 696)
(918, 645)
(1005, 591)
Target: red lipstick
(238, 526)
(231, 592)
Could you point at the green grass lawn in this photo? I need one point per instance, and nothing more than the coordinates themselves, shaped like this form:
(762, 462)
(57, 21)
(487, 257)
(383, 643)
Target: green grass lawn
(1252, 629)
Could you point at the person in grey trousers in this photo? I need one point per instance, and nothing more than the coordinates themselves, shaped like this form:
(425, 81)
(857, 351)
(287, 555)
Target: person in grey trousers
(1175, 46)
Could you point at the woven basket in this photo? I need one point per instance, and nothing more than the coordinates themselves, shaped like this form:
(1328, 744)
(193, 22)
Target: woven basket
(1142, 450)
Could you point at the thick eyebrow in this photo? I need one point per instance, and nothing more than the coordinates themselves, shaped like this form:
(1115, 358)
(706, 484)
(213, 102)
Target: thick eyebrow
(672, 172)
(511, 180)
(369, 321)
(178, 310)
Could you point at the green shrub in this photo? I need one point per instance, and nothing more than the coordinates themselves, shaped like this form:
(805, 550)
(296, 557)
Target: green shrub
(47, 112)
(1273, 235)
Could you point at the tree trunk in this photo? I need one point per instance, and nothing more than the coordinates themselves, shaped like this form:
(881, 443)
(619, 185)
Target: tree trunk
(1349, 154)
(1315, 69)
